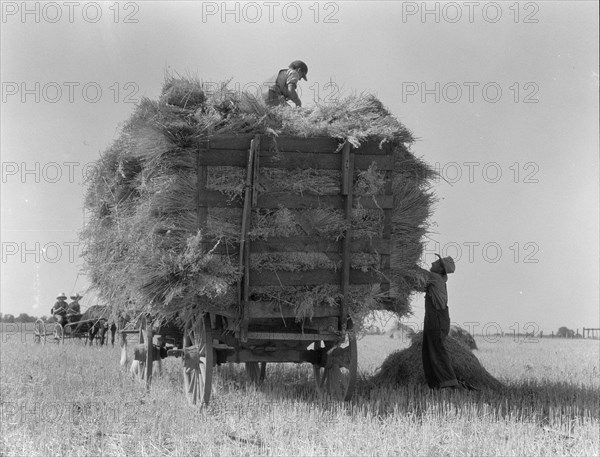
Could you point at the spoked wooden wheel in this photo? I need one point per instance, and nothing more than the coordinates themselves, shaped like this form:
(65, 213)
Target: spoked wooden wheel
(39, 332)
(144, 371)
(337, 378)
(198, 359)
(256, 371)
(59, 333)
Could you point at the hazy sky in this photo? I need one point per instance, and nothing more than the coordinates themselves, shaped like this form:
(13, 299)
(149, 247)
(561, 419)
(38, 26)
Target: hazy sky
(502, 96)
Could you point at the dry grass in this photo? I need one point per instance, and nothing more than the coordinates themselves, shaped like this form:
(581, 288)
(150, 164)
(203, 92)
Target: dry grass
(74, 400)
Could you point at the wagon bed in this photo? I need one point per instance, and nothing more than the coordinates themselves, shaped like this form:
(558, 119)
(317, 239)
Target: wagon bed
(269, 331)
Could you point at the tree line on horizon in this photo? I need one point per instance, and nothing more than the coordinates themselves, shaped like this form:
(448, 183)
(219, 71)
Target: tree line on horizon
(22, 318)
(563, 332)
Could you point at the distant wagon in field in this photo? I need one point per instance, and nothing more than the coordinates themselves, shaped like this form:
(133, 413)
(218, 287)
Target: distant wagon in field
(92, 325)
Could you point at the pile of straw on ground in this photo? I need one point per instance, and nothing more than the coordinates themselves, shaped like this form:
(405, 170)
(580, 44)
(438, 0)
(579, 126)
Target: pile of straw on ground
(462, 336)
(143, 247)
(406, 366)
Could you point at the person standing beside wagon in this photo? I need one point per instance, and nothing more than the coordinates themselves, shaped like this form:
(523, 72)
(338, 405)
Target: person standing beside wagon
(438, 370)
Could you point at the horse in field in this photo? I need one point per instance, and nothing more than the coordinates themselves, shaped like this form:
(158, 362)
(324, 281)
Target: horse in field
(96, 319)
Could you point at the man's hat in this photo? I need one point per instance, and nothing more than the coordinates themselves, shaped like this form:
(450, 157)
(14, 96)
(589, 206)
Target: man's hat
(62, 295)
(76, 297)
(447, 264)
(302, 66)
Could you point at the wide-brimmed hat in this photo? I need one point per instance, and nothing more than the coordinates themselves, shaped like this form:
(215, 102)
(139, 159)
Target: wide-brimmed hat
(447, 264)
(62, 295)
(76, 297)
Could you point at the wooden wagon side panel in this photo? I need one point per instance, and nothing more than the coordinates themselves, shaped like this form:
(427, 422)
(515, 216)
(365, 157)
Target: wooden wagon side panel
(291, 153)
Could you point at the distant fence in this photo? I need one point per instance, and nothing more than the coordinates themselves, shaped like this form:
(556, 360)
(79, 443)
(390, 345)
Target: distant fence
(591, 333)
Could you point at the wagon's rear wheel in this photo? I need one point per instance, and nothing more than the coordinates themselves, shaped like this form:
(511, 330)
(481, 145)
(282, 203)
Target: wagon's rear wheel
(39, 332)
(256, 371)
(337, 378)
(144, 368)
(59, 333)
(198, 359)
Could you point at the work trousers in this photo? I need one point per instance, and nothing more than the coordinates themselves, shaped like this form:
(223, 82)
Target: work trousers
(436, 362)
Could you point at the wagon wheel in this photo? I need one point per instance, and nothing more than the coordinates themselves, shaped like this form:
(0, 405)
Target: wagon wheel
(123, 344)
(73, 332)
(39, 332)
(198, 359)
(256, 371)
(59, 333)
(144, 371)
(338, 377)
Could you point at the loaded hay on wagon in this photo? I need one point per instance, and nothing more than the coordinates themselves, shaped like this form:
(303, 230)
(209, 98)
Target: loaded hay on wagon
(166, 207)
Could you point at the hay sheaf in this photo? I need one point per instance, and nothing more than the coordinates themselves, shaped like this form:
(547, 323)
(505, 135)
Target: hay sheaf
(406, 366)
(462, 336)
(144, 251)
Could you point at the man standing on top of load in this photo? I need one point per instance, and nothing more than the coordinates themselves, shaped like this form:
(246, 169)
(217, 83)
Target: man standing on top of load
(282, 86)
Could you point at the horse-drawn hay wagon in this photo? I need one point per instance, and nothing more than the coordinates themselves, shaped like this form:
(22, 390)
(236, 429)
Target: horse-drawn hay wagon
(257, 234)
(257, 329)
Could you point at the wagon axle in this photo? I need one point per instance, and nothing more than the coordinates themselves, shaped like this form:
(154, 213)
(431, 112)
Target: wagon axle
(140, 352)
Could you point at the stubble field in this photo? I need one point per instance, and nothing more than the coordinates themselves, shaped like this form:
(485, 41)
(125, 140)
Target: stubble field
(75, 400)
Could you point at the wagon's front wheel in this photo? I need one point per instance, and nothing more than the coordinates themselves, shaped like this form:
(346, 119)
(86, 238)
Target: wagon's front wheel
(59, 333)
(39, 332)
(144, 367)
(336, 377)
(198, 359)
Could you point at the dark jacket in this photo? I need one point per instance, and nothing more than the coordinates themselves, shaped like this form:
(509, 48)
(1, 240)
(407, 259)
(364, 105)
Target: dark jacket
(60, 307)
(437, 316)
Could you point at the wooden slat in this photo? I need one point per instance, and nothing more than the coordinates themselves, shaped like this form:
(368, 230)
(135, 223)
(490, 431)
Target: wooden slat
(289, 325)
(215, 199)
(271, 310)
(298, 144)
(239, 142)
(293, 160)
(255, 173)
(316, 244)
(292, 336)
(201, 181)
(371, 147)
(244, 245)
(288, 144)
(272, 200)
(303, 244)
(387, 216)
(346, 191)
(279, 356)
(223, 158)
(311, 277)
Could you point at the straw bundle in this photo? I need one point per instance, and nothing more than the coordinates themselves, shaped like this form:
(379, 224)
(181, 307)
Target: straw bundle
(144, 251)
(406, 366)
